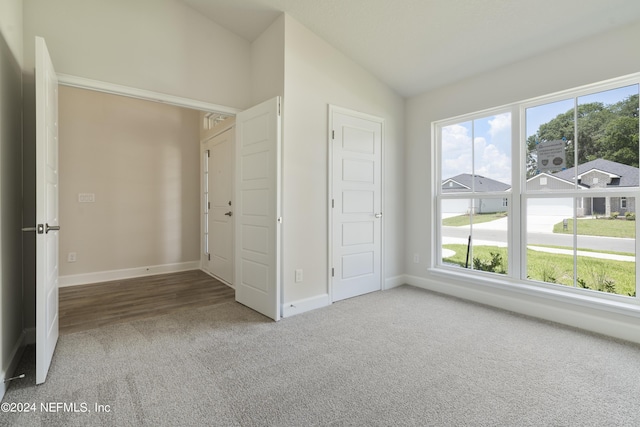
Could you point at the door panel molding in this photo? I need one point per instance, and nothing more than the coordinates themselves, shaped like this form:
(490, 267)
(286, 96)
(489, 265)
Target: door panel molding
(258, 208)
(355, 203)
(47, 244)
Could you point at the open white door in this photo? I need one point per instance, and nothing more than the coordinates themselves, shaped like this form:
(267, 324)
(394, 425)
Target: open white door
(46, 210)
(257, 225)
(356, 204)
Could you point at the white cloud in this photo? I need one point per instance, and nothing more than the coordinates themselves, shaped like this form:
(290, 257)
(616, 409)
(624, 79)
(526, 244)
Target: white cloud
(490, 160)
(499, 123)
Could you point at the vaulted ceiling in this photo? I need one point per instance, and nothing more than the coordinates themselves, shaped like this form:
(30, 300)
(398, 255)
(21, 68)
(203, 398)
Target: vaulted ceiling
(418, 45)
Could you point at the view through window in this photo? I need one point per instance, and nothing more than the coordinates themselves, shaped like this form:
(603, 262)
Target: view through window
(578, 171)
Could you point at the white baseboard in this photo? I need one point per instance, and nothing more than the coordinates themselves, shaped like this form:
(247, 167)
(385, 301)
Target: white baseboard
(14, 359)
(296, 307)
(128, 273)
(394, 282)
(569, 313)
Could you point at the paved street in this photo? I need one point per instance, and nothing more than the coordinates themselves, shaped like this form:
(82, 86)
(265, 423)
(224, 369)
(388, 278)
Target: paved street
(494, 233)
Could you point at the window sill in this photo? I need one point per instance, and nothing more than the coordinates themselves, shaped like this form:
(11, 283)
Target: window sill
(576, 297)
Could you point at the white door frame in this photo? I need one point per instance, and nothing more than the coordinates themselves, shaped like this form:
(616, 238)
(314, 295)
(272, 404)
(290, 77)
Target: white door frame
(203, 208)
(146, 95)
(331, 110)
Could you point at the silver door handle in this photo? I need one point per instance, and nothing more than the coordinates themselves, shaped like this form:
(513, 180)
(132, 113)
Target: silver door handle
(378, 215)
(229, 213)
(52, 228)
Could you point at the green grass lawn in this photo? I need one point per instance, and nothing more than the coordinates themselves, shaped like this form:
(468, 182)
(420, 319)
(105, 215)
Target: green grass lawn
(600, 227)
(598, 274)
(460, 220)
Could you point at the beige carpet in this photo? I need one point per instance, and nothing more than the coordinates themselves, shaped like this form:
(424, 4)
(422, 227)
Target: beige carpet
(400, 357)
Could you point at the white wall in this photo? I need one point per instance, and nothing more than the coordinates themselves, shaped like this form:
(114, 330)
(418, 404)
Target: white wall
(157, 45)
(316, 74)
(140, 159)
(591, 60)
(11, 315)
(267, 63)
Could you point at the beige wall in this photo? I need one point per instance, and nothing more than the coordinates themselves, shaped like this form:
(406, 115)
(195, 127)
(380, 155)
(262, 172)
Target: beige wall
(317, 74)
(140, 159)
(157, 45)
(267, 63)
(11, 313)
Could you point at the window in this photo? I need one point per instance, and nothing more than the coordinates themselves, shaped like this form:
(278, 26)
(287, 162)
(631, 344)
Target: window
(476, 154)
(575, 182)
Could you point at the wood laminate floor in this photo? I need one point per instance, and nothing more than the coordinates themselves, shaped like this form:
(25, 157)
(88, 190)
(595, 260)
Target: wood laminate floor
(90, 306)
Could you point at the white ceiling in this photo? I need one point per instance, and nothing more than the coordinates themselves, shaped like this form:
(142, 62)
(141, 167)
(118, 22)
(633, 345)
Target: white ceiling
(418, 45)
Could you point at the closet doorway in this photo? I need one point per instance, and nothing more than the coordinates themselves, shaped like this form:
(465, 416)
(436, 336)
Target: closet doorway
(217, 200)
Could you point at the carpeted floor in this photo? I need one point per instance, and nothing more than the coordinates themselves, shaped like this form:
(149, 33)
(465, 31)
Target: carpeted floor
(399, 357)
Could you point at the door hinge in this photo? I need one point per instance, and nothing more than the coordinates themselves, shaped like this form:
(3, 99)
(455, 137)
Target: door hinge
(209, 205)
(209, 257)
(333, 203)
(333, 272)
(279, 108)
(333, 134)
(208, 153)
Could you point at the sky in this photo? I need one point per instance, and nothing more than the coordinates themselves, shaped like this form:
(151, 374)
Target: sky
(491, 151)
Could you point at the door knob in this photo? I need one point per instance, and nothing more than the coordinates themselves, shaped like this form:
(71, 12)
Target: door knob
(378, 215)
(51, 228)
(229, 213)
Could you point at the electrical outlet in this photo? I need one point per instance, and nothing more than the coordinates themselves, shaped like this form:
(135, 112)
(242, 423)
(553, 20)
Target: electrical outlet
(71, 257)
(299, 275)
(416, 258)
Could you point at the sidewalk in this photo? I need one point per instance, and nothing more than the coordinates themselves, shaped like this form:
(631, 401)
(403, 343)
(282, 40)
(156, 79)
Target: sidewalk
(584, 254)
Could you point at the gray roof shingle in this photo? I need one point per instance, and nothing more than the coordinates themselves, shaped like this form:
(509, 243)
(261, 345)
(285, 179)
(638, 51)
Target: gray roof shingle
(628, 174)
(481, 184)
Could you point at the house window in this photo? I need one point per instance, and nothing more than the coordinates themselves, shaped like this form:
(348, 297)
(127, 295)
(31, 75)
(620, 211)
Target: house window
(475, 153)
(560, 219)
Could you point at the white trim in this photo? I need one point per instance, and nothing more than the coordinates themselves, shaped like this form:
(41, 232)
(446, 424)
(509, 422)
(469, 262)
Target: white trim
(128, 273)
(147, 95)
(611, 175)
(394, 282)
(297, 307)
(585, 312)
(14, 359)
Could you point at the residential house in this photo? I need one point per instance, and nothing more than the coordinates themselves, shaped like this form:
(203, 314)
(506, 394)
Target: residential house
(596, 174)
(465, 182)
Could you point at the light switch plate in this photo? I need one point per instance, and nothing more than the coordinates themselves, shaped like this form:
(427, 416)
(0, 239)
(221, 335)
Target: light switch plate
(86, 197)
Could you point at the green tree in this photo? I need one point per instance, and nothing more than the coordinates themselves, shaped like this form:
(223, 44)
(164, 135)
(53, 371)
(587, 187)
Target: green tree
(604, 132)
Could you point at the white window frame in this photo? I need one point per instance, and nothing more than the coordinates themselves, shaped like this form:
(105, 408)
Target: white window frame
(516, 272)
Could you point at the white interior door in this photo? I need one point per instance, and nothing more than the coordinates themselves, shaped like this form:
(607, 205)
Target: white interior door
(356, 212)
(220, 205)
(257, 213)
(46, 210)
